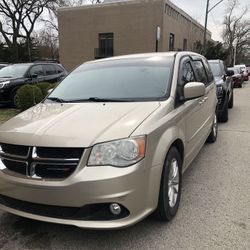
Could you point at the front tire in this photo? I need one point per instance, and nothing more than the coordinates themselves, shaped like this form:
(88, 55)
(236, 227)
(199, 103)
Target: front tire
(224, 114)
(214, 131)
(14, 99)
(231, 102)
(170, 189)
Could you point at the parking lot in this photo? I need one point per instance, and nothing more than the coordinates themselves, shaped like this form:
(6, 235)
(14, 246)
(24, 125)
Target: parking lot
(214, 211)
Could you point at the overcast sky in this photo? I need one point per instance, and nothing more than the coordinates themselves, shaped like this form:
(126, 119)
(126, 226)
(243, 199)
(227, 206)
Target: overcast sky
(196, 9)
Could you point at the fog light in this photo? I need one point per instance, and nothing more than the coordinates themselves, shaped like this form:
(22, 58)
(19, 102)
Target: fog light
(115, 208)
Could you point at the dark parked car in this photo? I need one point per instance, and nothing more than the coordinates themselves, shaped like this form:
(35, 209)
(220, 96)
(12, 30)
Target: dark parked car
(14, 76)
(238, 78)
(224, 84)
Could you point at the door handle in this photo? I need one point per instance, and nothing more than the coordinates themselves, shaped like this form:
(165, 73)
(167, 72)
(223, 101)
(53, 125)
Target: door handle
(205, 98)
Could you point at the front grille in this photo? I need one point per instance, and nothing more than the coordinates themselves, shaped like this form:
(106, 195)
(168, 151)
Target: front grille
(89, 212)
(14, 149)
(40, 162)
(55, 170)
(15, 166)
(72, 153)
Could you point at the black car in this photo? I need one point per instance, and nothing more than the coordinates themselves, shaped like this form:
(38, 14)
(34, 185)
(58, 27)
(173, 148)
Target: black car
(224, 84)
(14, 76)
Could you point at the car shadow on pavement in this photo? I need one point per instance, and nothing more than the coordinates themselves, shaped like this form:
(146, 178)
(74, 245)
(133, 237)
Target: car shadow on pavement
(40, 235)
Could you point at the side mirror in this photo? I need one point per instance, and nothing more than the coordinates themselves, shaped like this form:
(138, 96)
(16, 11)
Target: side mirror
(193, 90)
(230, 72)
(34, 76)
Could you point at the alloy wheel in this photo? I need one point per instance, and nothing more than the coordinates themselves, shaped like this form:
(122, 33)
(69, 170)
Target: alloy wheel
(215, 125)
(173, 183)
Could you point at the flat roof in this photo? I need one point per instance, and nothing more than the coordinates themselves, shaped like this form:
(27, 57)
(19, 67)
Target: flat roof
(104, 4)
(127, 2)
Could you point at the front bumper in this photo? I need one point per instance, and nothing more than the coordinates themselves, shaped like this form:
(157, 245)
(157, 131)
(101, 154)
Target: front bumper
(4, 96)
(130, 187)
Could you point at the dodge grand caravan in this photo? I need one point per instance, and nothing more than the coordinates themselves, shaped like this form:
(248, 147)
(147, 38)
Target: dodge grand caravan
(109, 145)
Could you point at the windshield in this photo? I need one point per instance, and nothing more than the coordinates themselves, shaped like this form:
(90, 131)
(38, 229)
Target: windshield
(215, 67)
(14, 71)
(117, 80)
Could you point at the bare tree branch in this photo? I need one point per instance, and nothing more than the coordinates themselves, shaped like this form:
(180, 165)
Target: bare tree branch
(235, 29)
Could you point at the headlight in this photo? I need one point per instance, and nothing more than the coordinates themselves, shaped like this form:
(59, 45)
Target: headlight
(2, 84)
(120, 153)
(219, 89)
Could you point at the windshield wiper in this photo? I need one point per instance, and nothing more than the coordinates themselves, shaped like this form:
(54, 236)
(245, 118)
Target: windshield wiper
(56, 99)
(98, 99)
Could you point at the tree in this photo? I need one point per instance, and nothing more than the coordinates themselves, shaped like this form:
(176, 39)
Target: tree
(17, 21)
(11, 19)
(5, 52)
(46, 44)
(197, 47)
(236, 29)
(215, 50)
(242, 41)
(33, 10)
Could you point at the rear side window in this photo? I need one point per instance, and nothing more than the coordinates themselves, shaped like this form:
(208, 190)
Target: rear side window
(50, 69)
(37, 70)
(209, 72)
(200, 72)
(59, 69)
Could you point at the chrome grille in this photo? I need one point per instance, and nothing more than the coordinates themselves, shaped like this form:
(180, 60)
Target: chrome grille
(14, 150)
(39, 162)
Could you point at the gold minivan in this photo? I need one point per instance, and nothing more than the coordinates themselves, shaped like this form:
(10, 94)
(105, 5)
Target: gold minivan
(109, 144)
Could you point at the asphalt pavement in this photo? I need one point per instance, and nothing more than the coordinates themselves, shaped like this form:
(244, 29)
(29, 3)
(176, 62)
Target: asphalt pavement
(214, 212)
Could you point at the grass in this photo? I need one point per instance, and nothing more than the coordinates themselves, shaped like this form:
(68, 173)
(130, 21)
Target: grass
(6, 114)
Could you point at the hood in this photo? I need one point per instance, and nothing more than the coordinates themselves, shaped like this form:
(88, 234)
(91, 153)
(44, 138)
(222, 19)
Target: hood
(75, 125)
(218, 80)
(4, 79)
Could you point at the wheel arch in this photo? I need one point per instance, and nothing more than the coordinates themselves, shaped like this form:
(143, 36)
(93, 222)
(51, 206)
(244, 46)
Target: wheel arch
(179, 145)
(173, 137)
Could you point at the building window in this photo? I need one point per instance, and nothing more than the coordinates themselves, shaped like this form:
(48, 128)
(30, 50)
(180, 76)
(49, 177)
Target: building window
(166, 8)
(171, 42)
(184, 44)
(106, 45)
